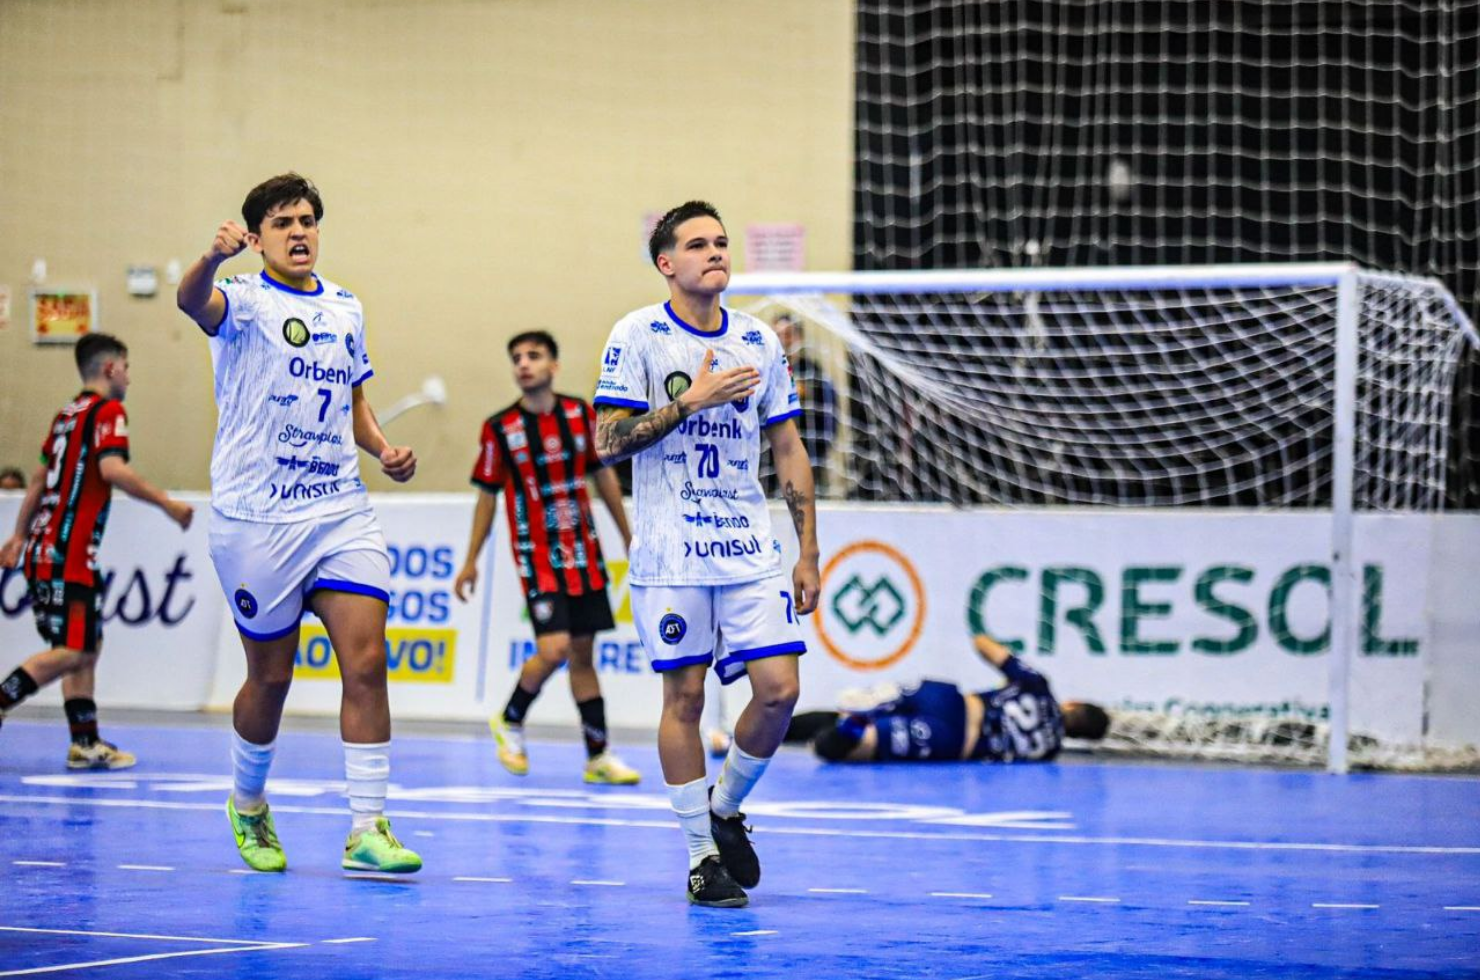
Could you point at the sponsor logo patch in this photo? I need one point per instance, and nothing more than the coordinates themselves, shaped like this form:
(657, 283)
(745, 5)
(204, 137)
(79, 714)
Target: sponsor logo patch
(295, 332)
(672, 629)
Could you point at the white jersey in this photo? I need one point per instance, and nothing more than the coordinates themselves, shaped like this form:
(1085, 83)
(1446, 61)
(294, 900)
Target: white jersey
(287, 363)
(701, 515)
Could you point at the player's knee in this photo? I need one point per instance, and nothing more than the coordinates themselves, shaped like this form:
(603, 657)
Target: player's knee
(554, 655)
(79, 660)
(363, 671)
(686, 704)
(778, 694)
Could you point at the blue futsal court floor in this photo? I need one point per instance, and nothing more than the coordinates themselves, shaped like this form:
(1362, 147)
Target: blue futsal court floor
(945, 871)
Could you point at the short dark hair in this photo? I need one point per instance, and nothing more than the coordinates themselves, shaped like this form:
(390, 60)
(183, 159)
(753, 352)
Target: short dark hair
(662, 238)
(536, 337)
(274, 192)
(1085, 720)
(95, 348)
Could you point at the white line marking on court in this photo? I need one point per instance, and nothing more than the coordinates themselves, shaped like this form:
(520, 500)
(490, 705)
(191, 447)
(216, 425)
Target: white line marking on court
(352, 939)
(1341, 905)
(422, 833)
(1088, 898)
(499, 881)
(1462, 908)
(146, 935)
(756, 932)
(838, 891)
(666, 826)
(145, 959)
(1215, 901)
(959, 895)
(39, 864)
(593, 881)
(144, 867)
(241, 871)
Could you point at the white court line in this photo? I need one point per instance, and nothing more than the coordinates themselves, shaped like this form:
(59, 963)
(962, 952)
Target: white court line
(352, 939)
(1341, 905)
(500, 881)
(1214, 901)
(144, 867)
(376, 876)
(756, 932)
(959, 895)
(666, 826)
(1462, 908)
(145, 935)
(146, 959)
(422, 833)
(1088, 898)
(592, 881)
(39, 864)
(838, 891)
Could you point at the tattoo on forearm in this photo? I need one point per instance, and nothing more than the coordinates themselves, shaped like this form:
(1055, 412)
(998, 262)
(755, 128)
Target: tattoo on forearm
(619, 438)
(797, 502)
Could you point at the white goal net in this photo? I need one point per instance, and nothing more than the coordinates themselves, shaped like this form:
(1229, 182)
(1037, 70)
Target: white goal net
(1317, 388)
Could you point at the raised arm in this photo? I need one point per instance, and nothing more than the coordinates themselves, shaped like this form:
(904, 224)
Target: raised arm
(622, 433)
(990, 650)
(611, 495)
(10, 551)
(197, 297)
(794, 473)
(123, 476)
(396, 462)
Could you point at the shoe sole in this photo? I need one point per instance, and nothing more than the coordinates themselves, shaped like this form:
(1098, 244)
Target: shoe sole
(723, 903)
(395, 869)
(597, 780)
(102, 767)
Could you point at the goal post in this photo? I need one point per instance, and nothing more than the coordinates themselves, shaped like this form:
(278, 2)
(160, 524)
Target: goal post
(1319, 387)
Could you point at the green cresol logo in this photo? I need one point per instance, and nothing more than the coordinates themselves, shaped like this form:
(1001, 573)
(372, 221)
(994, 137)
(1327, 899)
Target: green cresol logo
(1073, 599)
(878, 606)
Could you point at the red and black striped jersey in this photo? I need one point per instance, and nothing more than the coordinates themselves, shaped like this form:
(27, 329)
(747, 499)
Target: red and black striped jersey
(541, 463)
(68, 524)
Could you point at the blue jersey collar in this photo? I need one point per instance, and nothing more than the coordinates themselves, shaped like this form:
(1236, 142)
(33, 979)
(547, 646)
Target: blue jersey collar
(724, 322)
(318, 289)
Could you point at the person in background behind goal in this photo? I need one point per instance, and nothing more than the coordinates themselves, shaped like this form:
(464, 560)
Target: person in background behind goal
(938, 722)
(816, 397)
(686, 389)
(57, 533)
(12, 478)
(538, 451)
(292, 524)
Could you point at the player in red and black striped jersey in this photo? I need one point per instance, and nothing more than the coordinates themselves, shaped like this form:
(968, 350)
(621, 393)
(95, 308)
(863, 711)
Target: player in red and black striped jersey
(539, 451)
(57, 533)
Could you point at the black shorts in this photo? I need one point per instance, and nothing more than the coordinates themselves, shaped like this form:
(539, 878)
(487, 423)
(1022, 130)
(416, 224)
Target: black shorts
(68, 614)
(578, 615)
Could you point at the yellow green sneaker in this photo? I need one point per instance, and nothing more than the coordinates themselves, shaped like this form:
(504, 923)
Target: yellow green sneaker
(99, 755)
(608, 769)
(510, 740)
(256, 838)
(377, 849)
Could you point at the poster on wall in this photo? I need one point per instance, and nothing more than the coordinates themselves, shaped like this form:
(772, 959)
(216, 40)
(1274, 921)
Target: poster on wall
(775, 247)
(62, 315)
(4, 307)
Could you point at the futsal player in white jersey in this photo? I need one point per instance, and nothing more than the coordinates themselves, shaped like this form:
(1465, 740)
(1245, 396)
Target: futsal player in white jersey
(687, 388)
(291, 524)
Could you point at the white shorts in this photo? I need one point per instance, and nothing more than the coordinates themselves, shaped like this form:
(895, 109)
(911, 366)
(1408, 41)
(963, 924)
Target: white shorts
(268, 570)
(724, 625)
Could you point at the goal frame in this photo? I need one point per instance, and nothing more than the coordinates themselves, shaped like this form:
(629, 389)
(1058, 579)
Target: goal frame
(1345, 277)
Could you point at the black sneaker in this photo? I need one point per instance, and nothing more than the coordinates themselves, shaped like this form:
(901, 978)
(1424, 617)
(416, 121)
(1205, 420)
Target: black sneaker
(710, 884)
(735, 848)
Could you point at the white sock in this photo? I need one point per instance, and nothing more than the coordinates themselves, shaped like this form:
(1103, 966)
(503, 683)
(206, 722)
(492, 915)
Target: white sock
(249, 765)
(691, 803)
(367, 770)
(736, 780)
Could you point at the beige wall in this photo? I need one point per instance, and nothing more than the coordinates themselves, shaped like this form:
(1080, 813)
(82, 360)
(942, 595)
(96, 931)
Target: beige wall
(485, 165)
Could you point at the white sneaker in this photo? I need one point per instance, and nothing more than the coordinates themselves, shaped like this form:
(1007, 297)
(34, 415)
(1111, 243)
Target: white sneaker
(869, 700)
(510, 741)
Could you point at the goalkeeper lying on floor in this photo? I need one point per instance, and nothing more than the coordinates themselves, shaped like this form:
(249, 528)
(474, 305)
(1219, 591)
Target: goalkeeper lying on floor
(937, 722)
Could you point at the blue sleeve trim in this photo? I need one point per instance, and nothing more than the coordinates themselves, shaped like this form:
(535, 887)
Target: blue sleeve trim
(265, 637)
(363, 378)
(620, 403)
(353, 588)
(777, 419)
(662, 665)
